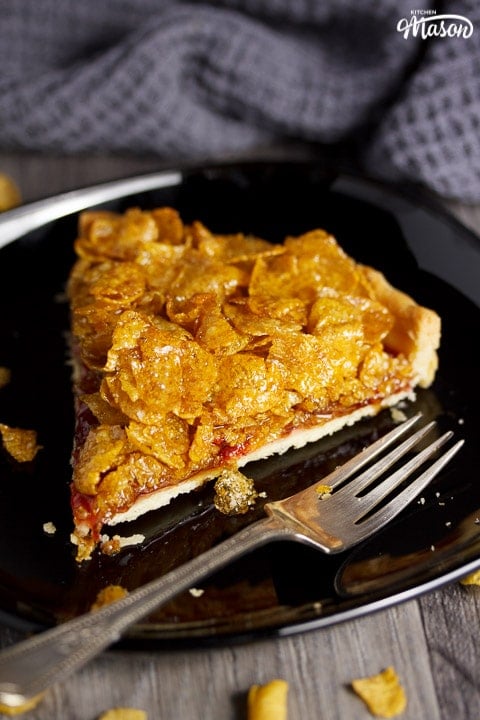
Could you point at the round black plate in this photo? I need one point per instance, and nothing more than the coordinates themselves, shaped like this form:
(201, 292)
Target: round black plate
(285, 587)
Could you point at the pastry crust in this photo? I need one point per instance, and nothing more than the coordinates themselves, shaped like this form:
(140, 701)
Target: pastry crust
(417, 330)
(194, 351)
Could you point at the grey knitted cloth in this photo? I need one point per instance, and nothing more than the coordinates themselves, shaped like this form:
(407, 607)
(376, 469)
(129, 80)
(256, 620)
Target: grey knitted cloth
(205, 79)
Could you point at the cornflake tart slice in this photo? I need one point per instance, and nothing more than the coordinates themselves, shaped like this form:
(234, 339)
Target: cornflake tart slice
(194, 352)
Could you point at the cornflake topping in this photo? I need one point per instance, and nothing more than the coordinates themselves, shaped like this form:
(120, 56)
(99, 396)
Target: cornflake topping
(197, 348)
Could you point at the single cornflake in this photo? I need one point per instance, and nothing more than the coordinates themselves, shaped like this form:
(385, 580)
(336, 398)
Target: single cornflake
(472, 578)
(123, 714)
(10, 195)
(382, 693)
(323, 491)
(5, 375)
(268, 701)
(19, 443)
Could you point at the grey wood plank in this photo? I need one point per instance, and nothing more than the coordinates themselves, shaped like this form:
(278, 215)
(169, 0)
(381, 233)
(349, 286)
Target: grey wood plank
(451, 616)
(451, 619)
(212, 682)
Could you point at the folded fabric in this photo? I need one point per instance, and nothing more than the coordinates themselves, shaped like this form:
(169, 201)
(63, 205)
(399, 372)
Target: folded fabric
(204, 79)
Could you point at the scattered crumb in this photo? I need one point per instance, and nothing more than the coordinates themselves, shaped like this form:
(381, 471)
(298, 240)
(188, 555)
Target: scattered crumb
(123, 714)
(471, 579)
(397, 415)
(108, 595)
(23, 708)
(49, 528)
(113, 545)
(461, 421)
(432, 548)
(110, 546)
(268, 702)
(448, 523)
(382, 693)
(196, 592)
(324, 491)
(421, 501)
(235, 494)
(5, 376)
(21, 444)
(9, 193)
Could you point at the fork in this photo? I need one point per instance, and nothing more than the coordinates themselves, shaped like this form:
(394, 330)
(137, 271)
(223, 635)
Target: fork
(333, 522)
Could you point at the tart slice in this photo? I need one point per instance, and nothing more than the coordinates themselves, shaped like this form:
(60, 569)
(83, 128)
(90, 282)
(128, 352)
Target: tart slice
(194, 352)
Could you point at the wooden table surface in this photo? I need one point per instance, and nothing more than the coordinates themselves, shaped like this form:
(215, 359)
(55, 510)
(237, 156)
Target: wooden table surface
(432, 641)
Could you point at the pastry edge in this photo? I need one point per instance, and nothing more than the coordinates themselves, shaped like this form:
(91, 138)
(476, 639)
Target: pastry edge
(295, 440)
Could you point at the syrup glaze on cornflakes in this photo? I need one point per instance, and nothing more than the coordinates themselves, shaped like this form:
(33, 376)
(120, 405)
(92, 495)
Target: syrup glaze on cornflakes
(197, 348)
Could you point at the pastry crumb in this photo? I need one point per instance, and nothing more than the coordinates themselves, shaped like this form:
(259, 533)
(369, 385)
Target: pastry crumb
(383, 694)
(323, 491)
(113, 545)
(397, 415)
(108, 595)
(49, 528)
(196, 592)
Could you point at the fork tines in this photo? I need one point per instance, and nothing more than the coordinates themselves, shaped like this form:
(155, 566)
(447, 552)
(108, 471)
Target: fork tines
(366, 511)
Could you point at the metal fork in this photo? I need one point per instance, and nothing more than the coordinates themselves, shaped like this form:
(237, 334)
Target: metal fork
(332, 523)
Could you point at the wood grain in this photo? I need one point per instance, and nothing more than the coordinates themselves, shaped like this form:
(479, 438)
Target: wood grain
(432, 642)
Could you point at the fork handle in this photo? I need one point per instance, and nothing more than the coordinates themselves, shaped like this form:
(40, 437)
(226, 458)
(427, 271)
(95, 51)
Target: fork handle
(30, 667)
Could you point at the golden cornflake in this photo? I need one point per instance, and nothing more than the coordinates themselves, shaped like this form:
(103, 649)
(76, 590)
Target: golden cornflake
(21, 444)
(9, 193)
(323, 491)
(5, 375)
(471, 579)
(123, 714)
(382, 693)
(269, 701)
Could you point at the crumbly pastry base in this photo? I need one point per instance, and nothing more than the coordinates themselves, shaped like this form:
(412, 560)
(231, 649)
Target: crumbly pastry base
(335, 342)
(295, 440)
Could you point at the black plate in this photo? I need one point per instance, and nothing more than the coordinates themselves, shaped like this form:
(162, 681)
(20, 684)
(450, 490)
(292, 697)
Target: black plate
(285, 587)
